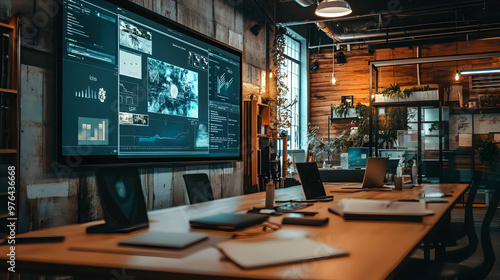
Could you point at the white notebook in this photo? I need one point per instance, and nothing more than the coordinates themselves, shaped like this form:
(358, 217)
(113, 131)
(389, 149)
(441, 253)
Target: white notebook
(370, 207)
(255, 253)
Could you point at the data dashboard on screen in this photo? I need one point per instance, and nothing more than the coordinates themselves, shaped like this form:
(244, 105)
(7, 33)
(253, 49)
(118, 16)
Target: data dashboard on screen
(137, 86)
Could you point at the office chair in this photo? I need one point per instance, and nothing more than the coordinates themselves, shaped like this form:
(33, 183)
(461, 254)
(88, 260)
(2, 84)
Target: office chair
(455, 231)
(198, 188)
(421, 269)
(458, 230)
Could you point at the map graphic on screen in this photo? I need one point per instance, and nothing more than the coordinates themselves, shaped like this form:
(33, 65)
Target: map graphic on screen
(135, 86)
(172, 90)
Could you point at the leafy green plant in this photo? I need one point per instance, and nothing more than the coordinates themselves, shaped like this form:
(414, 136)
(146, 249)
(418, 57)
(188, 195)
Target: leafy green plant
(283, 104)
(422, 88)
(315, 144)
(322, 150)
(434, 126)
(362, 122)
(488, 153)
(396, 91)
(393, 119)
(341, 110)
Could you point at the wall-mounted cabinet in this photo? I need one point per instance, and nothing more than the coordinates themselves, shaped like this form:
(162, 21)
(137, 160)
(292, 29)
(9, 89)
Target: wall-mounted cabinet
(9, 121)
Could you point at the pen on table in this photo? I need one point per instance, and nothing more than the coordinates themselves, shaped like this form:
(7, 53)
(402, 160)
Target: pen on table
(305, 213)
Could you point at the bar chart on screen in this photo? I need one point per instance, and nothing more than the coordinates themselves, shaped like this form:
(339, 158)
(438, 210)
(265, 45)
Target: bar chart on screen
(92, 131)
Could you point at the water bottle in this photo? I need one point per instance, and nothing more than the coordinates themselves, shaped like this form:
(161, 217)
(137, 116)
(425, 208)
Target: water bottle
(414, 172)
(270, 196)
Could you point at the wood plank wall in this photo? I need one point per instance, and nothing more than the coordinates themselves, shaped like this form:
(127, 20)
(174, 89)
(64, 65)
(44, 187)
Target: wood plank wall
(353, 77)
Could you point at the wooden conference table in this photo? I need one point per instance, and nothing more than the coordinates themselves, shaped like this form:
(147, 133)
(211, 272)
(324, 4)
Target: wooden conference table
(376, 248)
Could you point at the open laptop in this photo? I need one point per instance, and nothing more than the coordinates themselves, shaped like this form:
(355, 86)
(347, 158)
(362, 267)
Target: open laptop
(311, 182)
(374, 174)
(122, 201)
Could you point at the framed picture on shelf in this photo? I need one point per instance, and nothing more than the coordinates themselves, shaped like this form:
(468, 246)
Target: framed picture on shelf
(473, 103)
(348, 100)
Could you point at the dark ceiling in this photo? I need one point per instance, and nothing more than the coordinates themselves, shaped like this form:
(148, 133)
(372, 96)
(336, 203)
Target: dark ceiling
(392, 23)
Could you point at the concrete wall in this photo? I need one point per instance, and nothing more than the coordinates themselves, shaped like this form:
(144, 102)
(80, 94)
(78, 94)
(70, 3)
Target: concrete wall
(53, 195)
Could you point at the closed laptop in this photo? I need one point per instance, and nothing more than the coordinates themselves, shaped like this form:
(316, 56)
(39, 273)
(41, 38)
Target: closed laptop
(228, 221)
(169, 240)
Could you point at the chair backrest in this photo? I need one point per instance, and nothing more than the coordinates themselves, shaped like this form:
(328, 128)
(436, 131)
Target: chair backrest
(469, 227)
(488, 251)
(198, 188)
(482, 271)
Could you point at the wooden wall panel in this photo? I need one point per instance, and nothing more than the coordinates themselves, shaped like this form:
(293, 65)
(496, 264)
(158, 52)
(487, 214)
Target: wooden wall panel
(353, 77)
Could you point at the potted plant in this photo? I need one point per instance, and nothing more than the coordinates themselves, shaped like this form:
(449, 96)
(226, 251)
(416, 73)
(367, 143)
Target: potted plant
(393, 119)
(395, 93)
(322, 151)
(359, 134)
(488, 154)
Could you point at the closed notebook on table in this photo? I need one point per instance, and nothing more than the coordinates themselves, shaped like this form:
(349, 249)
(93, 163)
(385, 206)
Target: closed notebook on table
(250, 254)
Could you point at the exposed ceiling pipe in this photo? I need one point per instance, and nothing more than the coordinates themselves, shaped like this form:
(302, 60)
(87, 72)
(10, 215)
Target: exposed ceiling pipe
(408, 34)
(325, 27)
(393, 40)
(305, 3)
(438, 9)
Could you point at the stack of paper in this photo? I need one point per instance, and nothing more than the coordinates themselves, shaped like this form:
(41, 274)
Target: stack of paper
(380, 209)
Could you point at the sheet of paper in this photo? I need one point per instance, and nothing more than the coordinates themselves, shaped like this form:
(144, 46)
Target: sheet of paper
(464, 140)
(496, 137)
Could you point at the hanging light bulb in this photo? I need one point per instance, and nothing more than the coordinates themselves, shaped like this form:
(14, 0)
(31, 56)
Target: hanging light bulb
(334, 80)
(457, 76)
(270, 74)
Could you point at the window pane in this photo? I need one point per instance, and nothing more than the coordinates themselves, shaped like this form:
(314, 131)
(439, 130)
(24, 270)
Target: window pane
(292, 70)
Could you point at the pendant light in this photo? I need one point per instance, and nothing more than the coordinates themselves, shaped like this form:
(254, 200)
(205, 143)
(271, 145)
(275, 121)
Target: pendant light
(333, 8)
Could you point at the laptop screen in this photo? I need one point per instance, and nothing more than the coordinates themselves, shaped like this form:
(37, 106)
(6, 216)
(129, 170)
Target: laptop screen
(122, 200)
(375, 172)
(311, 180)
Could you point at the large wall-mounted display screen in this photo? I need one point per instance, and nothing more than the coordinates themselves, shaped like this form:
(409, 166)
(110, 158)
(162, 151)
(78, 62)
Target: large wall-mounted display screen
(135, 86)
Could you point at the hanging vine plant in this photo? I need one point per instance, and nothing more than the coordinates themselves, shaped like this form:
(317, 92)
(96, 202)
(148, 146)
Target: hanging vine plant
(283, 104)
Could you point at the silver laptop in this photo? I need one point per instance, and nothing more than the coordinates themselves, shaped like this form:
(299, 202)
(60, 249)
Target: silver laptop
(374, 174)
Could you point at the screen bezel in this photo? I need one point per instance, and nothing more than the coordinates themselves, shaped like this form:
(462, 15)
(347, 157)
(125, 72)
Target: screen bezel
(85, 160)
